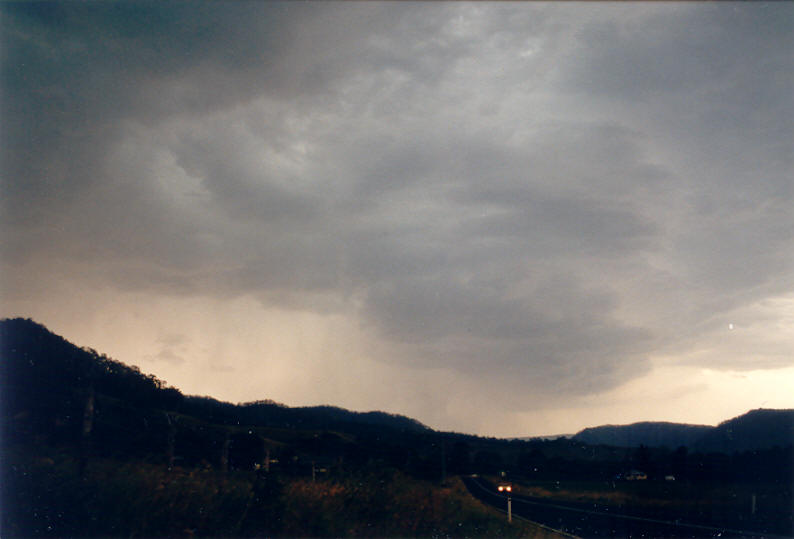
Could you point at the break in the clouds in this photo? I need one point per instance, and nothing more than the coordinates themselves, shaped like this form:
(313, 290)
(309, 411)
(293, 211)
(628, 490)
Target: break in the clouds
(550, 201)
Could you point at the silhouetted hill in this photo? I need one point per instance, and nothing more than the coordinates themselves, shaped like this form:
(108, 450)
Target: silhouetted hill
(757, 429)
(648, 433)
(48, 384)
(544, 437)
(269, 413)
(44, 372)
(35, 358)
(95, 448)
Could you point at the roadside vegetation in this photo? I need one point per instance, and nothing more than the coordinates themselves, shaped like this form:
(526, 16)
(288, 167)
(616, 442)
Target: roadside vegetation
(46, 495)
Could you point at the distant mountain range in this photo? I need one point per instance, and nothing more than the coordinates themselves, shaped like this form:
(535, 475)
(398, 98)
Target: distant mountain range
(648, 433)
(47, 378)
(545, 437)
(757, 429)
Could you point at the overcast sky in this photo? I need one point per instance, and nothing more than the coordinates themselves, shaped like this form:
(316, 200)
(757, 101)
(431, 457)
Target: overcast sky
(502, 219)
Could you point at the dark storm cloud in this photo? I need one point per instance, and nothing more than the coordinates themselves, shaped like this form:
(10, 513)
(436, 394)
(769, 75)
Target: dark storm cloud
(417, 166)
(726, 69)
(714, 84)
(72, 73)
(685, 50)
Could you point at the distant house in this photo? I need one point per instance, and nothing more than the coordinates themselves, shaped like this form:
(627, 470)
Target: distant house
(636, 475)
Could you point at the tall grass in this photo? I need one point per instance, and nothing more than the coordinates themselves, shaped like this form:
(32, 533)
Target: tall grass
(49, 497)
(389, 504)
(46, 496)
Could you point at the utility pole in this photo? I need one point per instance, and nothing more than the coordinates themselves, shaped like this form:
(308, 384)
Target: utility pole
(443, 462)
(225, 453)
(171, 441)
(88, 425)
(88, 412)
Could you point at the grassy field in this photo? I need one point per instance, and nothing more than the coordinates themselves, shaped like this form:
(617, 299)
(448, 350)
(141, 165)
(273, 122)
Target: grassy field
(46, 495)
(394, 507)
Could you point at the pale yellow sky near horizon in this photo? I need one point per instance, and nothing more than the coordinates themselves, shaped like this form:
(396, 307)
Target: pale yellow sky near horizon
(238, 351)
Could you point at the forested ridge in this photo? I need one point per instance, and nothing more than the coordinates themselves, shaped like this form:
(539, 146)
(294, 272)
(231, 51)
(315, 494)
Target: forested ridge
(757, 429)
(73, 419)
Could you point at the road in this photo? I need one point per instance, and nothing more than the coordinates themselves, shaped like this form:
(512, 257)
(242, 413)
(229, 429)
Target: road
(583, 520)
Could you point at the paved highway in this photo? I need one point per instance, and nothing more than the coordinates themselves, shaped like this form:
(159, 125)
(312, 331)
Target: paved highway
(583, 520)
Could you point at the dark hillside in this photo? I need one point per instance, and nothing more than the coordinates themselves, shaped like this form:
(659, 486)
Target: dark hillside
(50, 385)
(92, 447)
(48, 378)
(757, 429)
(651, 434)
(269, 413)
(47, 381)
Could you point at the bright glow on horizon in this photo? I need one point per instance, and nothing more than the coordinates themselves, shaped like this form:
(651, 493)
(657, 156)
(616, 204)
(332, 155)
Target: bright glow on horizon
(292, 357)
